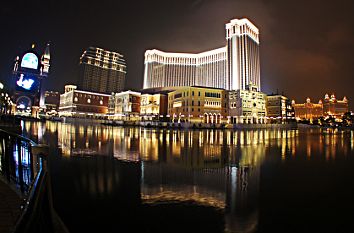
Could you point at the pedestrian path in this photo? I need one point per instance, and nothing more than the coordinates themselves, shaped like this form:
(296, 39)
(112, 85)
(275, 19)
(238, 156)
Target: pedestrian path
(10, 203)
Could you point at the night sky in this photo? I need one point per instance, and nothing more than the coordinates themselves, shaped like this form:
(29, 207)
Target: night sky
(307, 46)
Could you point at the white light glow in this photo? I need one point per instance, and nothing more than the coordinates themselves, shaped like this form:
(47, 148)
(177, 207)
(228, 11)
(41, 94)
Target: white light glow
(29, 60)
(25, 83)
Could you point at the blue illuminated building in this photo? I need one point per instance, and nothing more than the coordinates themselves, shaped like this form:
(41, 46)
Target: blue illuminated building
(30, 69)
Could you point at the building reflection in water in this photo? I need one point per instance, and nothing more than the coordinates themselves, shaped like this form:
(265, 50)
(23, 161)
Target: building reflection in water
(213, 168)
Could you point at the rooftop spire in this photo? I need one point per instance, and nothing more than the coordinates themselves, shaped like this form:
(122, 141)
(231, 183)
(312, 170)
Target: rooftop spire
(46, 60)
(47, 51)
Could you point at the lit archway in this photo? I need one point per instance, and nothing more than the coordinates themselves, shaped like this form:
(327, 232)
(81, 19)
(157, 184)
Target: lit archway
(23, 103)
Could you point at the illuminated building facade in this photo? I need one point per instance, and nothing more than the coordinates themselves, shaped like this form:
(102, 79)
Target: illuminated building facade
(334, 107)
(6, 104)
(247, 106)
(308, 110)
(51, 101)
(231, 67)
(28, 73)
(79, 103)
(111, 104)
(126, 105)
(198, 105)
(153, 106)
(102, 71)
(243, 54)
(207, 69)
(279, 108)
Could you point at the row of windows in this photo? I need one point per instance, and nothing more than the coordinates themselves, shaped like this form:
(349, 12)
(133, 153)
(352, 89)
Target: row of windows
(184, 103)
(207, 94)
(193, 93)
(253, 106)
(179, 95)
(88, 109)
(249, 101)
(212, 103)
(209, 103)
(212, 94)
(89, 96)
(88, 100)
(192, 109)
(233, 105)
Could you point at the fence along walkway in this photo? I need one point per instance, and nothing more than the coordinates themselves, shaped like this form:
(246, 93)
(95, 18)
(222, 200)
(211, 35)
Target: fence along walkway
(26, 209)
(18, 170)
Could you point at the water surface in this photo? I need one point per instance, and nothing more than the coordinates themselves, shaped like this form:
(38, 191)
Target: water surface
(113, 179)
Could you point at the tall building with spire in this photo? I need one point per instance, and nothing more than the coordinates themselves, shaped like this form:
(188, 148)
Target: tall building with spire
(30, 69)
(102, 71)
(232, 67)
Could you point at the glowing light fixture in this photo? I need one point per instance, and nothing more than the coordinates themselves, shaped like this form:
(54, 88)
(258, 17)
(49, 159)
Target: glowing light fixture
(29, 60)
(25, 83)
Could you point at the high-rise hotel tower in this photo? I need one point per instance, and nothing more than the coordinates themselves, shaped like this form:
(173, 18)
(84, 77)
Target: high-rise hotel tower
(242, 54)
(231, 67)
(102, 71)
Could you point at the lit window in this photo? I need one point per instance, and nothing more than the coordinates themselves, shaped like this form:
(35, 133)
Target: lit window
(89, 101)
(101, 102)
(75, 99)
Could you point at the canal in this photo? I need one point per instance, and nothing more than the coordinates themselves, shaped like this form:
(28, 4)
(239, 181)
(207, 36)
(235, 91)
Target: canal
(114, 179)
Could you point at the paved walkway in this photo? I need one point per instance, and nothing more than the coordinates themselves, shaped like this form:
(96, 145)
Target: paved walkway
(9, 207)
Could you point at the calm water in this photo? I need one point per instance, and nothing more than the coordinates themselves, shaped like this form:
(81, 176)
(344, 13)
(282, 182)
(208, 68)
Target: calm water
(107, 179)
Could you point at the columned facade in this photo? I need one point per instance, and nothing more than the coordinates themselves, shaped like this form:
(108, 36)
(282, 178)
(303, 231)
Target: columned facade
(198, 105)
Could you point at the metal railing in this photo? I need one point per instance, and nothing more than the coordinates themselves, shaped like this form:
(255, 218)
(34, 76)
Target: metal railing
(28, 172)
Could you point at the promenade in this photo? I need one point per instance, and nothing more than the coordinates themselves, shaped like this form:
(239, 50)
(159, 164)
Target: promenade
(9, 207)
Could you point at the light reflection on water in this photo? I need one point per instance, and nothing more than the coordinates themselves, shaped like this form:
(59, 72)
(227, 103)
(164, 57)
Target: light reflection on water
(213, 168)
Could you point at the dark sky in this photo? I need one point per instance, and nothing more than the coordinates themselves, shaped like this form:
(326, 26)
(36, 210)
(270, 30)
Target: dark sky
(307, 46)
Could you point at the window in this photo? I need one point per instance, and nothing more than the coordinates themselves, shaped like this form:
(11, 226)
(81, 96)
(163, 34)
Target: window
(75, 99)
(179, 95)
(89, 101)
(214, 95)
(192, 93)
